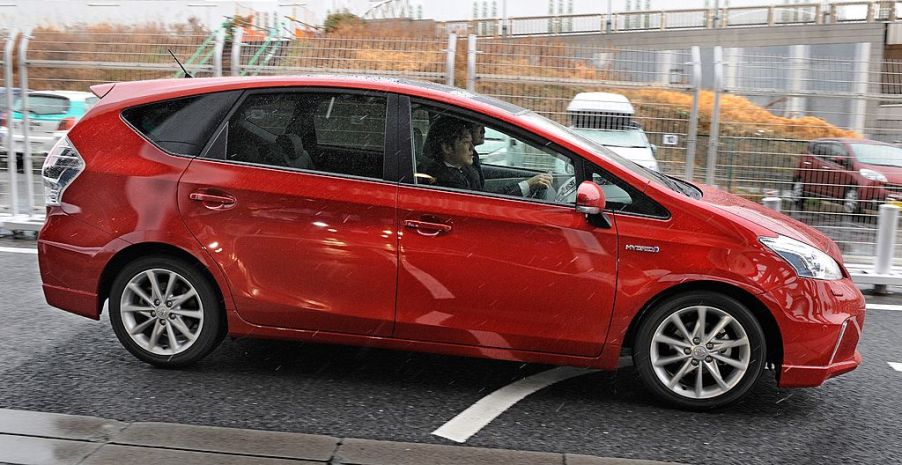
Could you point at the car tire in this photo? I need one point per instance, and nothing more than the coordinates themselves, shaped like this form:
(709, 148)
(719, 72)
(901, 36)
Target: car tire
(166, 312)
(851, 202)
(700, 371)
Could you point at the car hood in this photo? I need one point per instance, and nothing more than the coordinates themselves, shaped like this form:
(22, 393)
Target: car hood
(640, 155)
(893, 173)
(636, 154)
(771, 220)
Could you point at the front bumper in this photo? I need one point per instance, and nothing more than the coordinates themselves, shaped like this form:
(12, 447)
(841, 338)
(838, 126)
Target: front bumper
(820, 323)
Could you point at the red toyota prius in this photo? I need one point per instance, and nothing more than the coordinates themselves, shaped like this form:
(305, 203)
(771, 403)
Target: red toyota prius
(357, 210)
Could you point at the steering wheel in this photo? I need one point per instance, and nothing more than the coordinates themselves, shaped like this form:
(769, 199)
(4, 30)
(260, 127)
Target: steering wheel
(567, 189)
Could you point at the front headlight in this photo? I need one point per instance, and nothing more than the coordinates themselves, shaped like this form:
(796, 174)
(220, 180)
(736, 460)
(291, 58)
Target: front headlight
(872, 175)
(808, 261)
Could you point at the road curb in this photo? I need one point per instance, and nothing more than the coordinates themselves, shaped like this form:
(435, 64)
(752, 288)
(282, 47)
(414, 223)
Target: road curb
(45, 438)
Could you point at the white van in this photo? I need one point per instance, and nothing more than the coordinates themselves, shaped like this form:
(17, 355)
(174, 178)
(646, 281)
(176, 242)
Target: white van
(607, 119)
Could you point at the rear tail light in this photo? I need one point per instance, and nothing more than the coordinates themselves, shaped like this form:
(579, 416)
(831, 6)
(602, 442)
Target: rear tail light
(62, 165)
(66, 124)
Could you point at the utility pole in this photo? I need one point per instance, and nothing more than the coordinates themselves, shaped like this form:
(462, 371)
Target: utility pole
(609, 26)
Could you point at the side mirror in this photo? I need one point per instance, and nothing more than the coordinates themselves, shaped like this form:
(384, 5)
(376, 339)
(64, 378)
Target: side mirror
(589, 198)
(841, 161)
(654, 150)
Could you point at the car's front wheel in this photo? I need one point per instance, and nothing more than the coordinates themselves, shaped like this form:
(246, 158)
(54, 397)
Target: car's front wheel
(165, 312)
(700, 350)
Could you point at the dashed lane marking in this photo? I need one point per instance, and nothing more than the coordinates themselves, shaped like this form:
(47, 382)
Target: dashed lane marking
(895, 366)
(480, 414)
(18, 250)
(897, 308)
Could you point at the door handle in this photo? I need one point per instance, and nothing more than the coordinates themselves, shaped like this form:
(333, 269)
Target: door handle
(427, 228)
(214, 201)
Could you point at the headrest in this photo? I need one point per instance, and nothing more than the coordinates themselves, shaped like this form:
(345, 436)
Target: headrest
(291, 145)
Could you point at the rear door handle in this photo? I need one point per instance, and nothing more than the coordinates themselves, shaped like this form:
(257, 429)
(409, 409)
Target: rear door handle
(214, 201)
(427, 228)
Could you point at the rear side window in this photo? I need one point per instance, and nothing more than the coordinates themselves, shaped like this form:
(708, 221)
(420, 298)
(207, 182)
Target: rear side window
(44, 104)
(182, 126)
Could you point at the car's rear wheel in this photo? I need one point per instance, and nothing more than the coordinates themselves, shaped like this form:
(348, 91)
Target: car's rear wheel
(700, 350)
(165, 312)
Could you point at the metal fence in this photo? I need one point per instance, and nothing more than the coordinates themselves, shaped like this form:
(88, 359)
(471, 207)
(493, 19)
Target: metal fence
(745, 124)
(699, 18)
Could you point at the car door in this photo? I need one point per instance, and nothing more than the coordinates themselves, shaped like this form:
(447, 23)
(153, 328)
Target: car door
(291, 201)
(502, 271)
(835, 176)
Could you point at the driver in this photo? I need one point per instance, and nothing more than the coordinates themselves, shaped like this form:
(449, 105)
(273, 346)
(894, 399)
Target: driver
(450, 147)
(523, 188)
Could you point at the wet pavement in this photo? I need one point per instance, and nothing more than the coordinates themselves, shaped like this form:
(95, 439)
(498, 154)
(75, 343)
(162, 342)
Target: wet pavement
(49, 439)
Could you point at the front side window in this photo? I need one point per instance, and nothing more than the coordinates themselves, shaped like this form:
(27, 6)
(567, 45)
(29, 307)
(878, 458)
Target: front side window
(457, 152)
(331, 132)
(624, 198)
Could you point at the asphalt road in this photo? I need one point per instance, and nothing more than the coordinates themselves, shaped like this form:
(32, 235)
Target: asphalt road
(56, 362)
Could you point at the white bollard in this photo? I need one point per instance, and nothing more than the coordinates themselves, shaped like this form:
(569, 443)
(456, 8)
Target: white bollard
(887, 224)
(771, 202)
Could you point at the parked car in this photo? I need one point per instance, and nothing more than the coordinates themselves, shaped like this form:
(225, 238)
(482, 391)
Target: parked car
(293, 208)
(3, 95)
(608, 119)
(51, 115)
(858, 173)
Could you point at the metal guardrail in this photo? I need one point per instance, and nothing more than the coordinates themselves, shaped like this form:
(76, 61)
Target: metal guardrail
(664, 20)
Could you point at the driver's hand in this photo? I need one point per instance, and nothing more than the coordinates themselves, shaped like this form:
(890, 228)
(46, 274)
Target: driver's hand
(540, 181)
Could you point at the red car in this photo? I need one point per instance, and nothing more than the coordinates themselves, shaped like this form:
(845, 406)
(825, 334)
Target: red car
(859, 173)
(320, 209)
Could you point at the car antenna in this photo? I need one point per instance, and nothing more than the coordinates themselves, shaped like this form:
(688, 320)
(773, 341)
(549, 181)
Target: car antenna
(187, 74)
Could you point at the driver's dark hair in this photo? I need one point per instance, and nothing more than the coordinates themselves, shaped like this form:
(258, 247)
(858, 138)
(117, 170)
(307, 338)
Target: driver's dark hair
(445, 130)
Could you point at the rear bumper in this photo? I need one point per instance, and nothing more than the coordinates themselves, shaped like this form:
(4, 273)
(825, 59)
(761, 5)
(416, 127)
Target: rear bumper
(820, 323)
(40, 143)
(72, 256)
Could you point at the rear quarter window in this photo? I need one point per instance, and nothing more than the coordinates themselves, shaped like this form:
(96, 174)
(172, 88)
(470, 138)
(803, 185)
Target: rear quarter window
(181, 126)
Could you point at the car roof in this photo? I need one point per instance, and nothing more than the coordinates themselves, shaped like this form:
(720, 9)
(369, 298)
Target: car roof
(173, 88)
(69, 94)
(851, 140)
(601, 101)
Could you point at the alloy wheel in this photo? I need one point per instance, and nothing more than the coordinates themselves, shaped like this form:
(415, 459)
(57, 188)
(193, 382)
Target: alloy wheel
(161, 311)
(700, 352)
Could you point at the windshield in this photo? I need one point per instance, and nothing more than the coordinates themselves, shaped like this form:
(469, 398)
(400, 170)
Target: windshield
(590, 145)
(632, 138)
(874, 154)
(44, 105)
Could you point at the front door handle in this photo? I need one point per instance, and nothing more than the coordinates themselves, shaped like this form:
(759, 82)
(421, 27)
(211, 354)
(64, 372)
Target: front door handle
(214, 201)
(427, 228)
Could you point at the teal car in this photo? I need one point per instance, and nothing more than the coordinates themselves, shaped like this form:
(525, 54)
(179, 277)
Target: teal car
(50, 116)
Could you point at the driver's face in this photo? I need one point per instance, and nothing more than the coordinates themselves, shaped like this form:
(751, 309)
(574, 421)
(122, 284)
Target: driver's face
(460, 153)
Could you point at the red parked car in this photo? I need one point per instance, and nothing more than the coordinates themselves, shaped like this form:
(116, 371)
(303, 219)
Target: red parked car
(859, 173)
(304, 208)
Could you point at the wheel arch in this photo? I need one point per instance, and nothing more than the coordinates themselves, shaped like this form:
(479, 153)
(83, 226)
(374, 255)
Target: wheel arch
(145, 249)
(768, 323)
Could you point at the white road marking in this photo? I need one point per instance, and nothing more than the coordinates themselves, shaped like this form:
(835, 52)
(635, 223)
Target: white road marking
(480, 414)
(18, 250)
(895, 366)
(897, 308)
